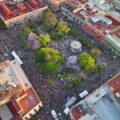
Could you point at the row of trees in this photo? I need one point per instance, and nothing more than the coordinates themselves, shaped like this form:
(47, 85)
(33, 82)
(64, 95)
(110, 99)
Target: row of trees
(48, 60)
(57, 28)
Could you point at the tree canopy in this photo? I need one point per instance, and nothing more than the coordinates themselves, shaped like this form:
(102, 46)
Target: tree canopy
(85, 43)
(48, 55)
(49, 67)
(44, 39)
(95, 52)
(48, 59)
(49, 19)
(62, 29)
(86, 61)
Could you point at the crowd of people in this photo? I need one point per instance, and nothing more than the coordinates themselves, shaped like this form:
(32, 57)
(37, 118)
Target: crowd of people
(52, 96)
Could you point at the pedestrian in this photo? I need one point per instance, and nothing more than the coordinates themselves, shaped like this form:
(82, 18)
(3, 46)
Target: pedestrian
(1, 50)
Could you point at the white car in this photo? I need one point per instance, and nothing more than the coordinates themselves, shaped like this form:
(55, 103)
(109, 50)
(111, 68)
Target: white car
(71, 101)
(54, 114)
(66, 110)
(83, 94)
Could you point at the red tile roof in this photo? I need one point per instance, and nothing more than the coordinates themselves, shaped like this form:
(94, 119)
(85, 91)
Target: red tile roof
(75, 2)
(75, 113)
(19, 8)
(28, 102)
(114, 22)
(114, 83)
(14, 104)
(5, 9)
(88, 12)
(116, 32)
(34, 3)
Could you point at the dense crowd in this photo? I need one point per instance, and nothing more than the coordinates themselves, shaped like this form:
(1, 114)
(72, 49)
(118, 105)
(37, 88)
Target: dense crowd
(52, 96)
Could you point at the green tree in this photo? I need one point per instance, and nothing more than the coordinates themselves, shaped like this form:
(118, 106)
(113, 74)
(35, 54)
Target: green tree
(82, 75)
(76, 82)
(96, 69)
(44, 39)
(85, 43)
(86, 61)
(27, 29)
(62, 29)
(50, 81)
(95, 52)
(2, 24)
(70, 85)
(48, 59)
(49, 67)
(48, 55)
(49, 20)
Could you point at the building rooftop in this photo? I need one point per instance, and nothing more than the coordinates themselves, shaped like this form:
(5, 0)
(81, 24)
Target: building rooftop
(74, 4)
(57, 2)
(29, 101)
(85, 11)
(8, 10)
(116, 32)
(114, 83)
(100, 104)
(17, 95)
(103, 23)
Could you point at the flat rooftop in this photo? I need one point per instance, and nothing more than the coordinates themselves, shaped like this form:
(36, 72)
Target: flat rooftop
(85, 12)
(17, 96)
(100, 105)
(5, 113)
(12, 80)
(106, 109)
(104, 24)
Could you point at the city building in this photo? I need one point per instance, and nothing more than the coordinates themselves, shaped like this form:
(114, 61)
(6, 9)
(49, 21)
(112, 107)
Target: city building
(13, 13)
(96, 26)
(18, 99)
(117, 4)
(74, 11)
(99, 18)
(101, 104)
(99, 2)
(55, 4)
(112, 42)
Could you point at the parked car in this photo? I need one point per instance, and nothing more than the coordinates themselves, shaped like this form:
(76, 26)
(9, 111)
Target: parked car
(71, 101)
(66, 110)
(83, 94)
(54, 114)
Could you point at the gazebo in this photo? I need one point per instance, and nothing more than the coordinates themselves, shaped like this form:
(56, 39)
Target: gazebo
(75, 46)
